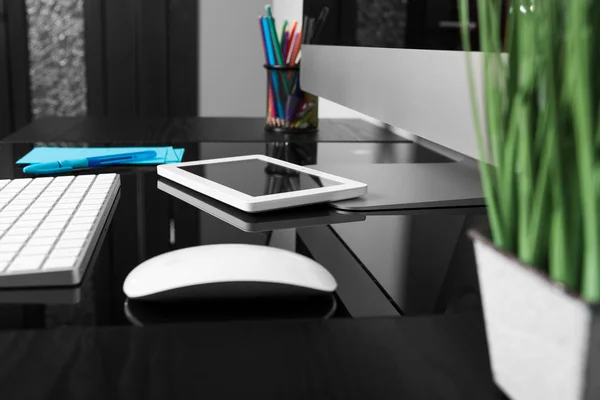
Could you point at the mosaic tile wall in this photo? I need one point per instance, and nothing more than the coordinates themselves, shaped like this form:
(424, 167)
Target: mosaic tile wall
(56, 53)
(381, 23)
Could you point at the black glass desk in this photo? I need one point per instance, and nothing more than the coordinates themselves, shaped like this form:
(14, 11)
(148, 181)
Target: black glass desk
(407, 320)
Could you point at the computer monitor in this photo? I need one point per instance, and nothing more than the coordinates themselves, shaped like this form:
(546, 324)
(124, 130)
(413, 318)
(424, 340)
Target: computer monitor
(402, 63)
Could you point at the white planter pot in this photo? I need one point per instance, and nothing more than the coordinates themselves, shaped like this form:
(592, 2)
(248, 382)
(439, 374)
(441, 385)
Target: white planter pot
(543, 342)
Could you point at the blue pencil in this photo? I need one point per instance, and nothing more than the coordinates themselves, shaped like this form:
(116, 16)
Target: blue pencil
(271, 59)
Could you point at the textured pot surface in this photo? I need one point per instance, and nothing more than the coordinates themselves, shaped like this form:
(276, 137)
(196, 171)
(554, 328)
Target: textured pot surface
(538, 335)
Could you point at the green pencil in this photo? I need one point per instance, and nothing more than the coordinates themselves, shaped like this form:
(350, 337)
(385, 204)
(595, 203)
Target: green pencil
(274, 37)
(276, 45)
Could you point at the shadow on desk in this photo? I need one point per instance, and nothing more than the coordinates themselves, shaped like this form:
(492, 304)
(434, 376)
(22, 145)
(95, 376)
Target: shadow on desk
(441, 357)
(144, 313)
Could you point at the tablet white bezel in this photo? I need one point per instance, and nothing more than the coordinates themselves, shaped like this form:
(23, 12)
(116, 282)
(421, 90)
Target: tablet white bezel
(345, 190)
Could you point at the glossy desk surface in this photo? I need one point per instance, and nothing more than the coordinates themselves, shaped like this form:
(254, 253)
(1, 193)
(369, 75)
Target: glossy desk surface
(407, 319)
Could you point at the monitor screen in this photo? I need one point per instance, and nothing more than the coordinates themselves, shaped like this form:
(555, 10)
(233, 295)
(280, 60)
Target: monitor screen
(411, 24)
(257, 177)
(400, 62)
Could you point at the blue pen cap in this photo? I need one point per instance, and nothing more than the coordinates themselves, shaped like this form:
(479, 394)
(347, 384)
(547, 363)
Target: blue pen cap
(56, 167)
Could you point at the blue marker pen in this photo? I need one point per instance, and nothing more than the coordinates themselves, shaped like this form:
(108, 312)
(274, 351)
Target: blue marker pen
(89, 162)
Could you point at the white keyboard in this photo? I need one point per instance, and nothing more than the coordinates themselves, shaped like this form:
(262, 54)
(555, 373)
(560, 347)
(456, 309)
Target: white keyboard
(49, 227)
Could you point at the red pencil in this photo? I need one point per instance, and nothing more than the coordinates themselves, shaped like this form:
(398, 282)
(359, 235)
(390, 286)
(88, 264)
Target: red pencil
(295, 50)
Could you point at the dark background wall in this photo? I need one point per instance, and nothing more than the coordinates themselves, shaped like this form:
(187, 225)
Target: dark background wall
(15, 105)
(141, 60)
(142, 57)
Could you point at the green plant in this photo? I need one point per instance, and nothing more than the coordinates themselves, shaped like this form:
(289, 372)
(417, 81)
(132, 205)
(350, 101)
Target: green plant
(540, 132)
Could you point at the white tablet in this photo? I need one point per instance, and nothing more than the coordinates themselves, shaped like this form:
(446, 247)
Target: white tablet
(259, 222)
(259, 183)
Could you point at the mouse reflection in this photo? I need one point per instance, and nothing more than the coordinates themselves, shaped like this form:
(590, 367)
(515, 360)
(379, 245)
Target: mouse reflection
(144, 313)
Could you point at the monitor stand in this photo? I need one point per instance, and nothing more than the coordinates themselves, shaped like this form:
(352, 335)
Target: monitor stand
(411, 185)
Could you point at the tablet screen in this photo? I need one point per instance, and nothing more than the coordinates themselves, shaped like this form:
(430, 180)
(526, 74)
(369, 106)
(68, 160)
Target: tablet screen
(258, 178)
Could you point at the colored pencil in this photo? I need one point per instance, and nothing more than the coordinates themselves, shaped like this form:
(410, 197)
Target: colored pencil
(288, 58)
(274, 38)
(294, 53)
(262, 36)
(282, 42)
(271, 102)
(276, 46)
(271, 57)
(286, 45)
(291, 37)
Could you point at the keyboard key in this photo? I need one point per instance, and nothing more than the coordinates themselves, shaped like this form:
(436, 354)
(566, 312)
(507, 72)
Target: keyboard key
(89, 202)
(79, 227)
(65, 253)
(63, 179)
(39, 209)
(42, 241)
(26, 223)
(3, 265)
(27, 196)
(70, 200)
(41, 181)
(65, 243)
(60, 212)
(84, 178)
(17, 183)
(11, 239)
(36, 250)
(83, 220)
(19, 208)
(85, 213)
(26, 263)
(28, 230)
(90, 207)
(9, 213)
(77, 189)
(7, 256)
(94, 195)
(54, 191)
(7, 220)
(63, 206)
(53, 225)
(31, 215)
(47, 233)
(73, 196)
(60, 263)
(68, 235)
(10, 248)
(57, 218)
(45, 202)
(102, 185)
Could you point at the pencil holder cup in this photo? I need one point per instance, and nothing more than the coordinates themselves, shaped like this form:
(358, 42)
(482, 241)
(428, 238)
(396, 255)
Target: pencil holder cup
(289, 109)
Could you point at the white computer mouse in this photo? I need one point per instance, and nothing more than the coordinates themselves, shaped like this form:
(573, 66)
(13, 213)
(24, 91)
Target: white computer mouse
(224, 271)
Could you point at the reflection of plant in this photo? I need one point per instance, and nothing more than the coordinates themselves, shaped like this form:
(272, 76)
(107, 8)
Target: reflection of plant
(543, 134)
